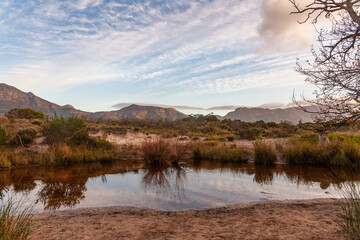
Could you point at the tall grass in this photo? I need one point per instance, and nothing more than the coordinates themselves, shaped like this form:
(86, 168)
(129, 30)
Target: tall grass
(156, 153)
(15, 220)
(218, 152)
(350, 215)
(264, 153)
(335, 153)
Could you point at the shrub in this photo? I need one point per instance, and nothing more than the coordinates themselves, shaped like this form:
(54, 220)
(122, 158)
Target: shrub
(37, 122)
(24, 113)
(15, 220)
(156, 153)
(24, 136)
(70, 130)
(230, 138)
(3, 135)
(264, 153)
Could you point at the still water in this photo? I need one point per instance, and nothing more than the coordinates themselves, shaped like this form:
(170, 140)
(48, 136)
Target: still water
(194, 186)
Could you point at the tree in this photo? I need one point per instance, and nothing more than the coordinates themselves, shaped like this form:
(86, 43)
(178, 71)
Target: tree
(335, 69)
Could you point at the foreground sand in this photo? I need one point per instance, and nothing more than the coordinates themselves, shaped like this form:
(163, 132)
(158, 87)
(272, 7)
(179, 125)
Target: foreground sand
(307, 219)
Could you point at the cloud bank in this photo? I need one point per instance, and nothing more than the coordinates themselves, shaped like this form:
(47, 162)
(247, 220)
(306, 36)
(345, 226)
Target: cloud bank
(281, 31)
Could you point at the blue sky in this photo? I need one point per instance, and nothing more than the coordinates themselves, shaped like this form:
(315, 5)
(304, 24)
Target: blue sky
(94, 54)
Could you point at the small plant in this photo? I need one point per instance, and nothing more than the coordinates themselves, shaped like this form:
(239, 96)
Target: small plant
(3, 135)
(230, 138)
(156, 153)
(15, 220)
(24, 136)
(350, 216)
(37, 122)
(264, 153)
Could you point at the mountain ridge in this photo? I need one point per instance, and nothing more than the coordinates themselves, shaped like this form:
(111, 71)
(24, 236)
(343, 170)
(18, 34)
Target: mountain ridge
(11, 97)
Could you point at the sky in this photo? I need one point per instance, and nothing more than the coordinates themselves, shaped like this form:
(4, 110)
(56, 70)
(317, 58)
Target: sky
(99, 54)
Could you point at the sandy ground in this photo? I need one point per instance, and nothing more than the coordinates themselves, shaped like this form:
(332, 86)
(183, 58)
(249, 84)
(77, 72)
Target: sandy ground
(306, 219)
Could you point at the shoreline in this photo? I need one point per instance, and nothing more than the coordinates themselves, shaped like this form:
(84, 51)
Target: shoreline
(288, 219)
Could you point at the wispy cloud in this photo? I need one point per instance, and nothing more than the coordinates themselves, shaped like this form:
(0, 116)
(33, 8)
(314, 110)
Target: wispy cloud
(174, 48)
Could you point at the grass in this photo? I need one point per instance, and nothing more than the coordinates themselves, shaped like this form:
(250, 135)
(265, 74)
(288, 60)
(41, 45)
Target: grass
(156, 153)
(218, 152)
(350, 215)
(334, 153)
(15, 220)
(264, 153)
(63, 154)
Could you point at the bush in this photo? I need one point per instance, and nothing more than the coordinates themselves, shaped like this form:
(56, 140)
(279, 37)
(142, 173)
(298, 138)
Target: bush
(15, 220)
(24, 113)
(264, 153)
(37, 122)
(3, 135)
(24, 136)
(156, 153)
(71, 130)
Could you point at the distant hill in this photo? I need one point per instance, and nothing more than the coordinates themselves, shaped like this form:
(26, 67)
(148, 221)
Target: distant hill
(292, 115)
(11, 97)
(141, 112)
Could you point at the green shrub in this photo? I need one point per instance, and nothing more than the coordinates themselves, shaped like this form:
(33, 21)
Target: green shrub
(71, 130)
(264, 153)
(3, 135)
(24, 136)
(15, 220)
(24, 113)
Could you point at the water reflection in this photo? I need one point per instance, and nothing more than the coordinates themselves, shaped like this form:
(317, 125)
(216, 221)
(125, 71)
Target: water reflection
(167, 181)
(204, 184)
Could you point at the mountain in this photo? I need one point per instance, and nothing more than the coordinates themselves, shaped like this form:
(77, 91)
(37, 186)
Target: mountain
(141, 112)
(11, 97)
(278, 115)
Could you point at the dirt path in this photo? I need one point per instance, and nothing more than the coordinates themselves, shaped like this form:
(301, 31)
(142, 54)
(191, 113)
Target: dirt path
(308, 219)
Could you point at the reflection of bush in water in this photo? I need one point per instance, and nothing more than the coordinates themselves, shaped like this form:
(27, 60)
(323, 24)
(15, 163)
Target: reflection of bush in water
(60, 186)
(168, 180)
(264, 174)
(55, 194)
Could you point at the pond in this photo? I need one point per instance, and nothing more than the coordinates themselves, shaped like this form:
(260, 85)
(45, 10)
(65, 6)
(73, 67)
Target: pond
(193, 186)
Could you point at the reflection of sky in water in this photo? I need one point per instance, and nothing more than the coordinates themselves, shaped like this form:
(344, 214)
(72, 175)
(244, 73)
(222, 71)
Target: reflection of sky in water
(194, 189)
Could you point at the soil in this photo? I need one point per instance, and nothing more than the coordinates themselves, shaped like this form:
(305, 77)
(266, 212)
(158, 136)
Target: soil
(305, 219)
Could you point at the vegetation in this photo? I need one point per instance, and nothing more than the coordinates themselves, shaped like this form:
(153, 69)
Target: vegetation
(15, 220)
(21, 113)
(219, 152)
(334, 153)
(350, 217)
(264, 153)
(334, 67)
(24, 136)
(156, 153)
(71, 130)
(3, 135)
(202, 126)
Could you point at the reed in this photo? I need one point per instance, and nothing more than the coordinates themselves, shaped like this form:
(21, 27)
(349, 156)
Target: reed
(264, 153)
(15, 220)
